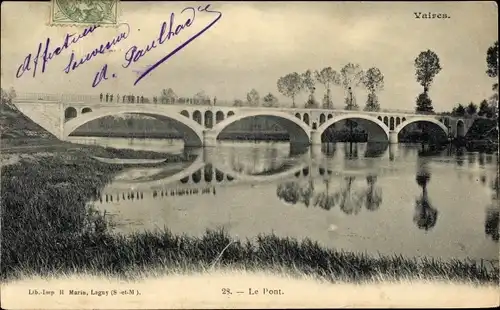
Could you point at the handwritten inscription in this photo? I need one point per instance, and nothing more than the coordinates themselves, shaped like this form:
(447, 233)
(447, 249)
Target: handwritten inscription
(101, 76)
(48, 54)
(167, 31)
(103, 48)
(134, 53)
(137, 54)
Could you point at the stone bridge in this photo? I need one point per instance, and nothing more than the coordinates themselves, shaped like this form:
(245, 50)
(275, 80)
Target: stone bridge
(202, 124)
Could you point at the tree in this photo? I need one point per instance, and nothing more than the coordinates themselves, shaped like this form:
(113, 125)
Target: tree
(168, 96)
(12, 94)
(201, 98)
(238, 103)
(309, 84)
(427, 67)
(471, 108)
(459, 110)
(5, 97)
(327, 77)
(492, 60)
(352, 76)
(270, 101)
(253, 98)
(484, 108)
(492, 71)
(374, 82)
(350, 102)
(372, 103)
(424, 103)
(8, 97)
(327, 100)
(290, 86)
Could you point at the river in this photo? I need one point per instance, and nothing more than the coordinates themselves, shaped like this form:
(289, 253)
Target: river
(369, 198)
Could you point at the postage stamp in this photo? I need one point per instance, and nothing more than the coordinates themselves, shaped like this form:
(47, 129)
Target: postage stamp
(84, 12)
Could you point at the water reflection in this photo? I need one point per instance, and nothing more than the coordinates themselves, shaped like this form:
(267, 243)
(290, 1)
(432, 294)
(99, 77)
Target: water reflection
(373, 196)
(355, 188)
(491, 224)
(425, 216)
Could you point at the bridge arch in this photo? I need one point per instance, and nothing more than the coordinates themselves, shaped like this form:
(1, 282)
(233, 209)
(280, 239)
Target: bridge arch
(70, 113)
(409, 121)
(219, 117)
(209, 119)
(192, 131)
(322, 119)
(376, 129)
(197, 116)
(299, 132)
(223, 167)
(305, 118)
(187, 172)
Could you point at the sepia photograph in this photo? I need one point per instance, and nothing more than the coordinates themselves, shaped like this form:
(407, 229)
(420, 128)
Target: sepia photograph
(188, 154)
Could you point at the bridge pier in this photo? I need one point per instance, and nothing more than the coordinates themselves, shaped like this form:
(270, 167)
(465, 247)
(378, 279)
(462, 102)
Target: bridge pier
(393, 151)
(316, 152)
(315, 137)
(209, 138)
(393, 137)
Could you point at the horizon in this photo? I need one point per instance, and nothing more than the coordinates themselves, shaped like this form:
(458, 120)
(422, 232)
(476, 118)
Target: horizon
(232, 57)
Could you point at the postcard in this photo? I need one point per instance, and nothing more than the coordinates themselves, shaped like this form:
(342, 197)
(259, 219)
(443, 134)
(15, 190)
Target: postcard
(228, 155)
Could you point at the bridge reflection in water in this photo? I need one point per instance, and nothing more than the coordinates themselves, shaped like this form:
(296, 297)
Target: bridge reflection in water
(361, 197)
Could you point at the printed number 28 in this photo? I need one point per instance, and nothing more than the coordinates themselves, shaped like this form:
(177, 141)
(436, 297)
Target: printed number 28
(226, 291)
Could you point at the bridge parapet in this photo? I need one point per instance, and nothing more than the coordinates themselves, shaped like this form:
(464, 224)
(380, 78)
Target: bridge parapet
(96, 100)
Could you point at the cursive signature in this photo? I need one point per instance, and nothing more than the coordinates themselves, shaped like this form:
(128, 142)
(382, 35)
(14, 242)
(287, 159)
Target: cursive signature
(103, 48)
(46, 55)
(134, 54)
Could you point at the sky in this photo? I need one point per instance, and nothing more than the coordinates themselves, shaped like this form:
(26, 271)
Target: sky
(253, 44)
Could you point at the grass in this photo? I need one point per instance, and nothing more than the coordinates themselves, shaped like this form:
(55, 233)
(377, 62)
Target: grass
(48, 228)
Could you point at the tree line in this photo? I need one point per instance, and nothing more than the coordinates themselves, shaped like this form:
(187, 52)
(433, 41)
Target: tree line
(427, 66)
(484, 109)
(351, 76)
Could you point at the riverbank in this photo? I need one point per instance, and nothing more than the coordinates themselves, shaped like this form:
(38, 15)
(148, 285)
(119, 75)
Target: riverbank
(49, 229)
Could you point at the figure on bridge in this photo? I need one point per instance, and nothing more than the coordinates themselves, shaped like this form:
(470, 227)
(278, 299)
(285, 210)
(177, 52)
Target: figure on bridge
(107, 97)
(100, 97)
(111, 98)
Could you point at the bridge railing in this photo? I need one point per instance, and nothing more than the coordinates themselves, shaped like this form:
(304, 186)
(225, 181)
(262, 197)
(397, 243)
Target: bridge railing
(134, 99)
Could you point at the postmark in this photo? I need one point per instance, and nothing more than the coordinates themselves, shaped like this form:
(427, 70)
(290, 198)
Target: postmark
(84, 12)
